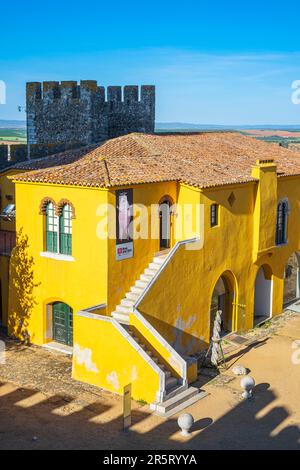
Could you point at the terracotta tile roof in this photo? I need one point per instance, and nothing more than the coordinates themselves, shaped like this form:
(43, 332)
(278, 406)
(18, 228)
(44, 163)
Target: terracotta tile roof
(63, 158)
(201, 160)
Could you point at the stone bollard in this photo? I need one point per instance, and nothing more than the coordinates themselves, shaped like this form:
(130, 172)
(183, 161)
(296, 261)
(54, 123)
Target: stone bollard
(248, 384)
(185, 422)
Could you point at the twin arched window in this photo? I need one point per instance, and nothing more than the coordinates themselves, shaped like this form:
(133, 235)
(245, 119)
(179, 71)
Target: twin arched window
(59, 229)
(281, 223)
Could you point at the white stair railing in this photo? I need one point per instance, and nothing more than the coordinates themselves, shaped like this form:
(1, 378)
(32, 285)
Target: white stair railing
(162, 267)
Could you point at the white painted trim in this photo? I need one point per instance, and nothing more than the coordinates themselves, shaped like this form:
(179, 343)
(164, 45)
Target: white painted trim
(55, 346)
(57, 256)
(174, 354)
(162, 267)
(95, 307)
(162, 378)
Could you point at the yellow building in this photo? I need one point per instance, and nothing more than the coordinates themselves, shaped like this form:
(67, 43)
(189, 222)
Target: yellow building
(126, 250)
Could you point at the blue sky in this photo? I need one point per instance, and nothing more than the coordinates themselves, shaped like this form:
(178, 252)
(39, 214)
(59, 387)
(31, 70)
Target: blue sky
(212, 62)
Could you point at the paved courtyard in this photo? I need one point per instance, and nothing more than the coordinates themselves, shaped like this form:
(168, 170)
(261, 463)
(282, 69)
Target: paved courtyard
(41, 407)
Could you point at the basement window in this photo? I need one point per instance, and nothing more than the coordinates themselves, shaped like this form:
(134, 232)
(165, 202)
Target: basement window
(214, 215)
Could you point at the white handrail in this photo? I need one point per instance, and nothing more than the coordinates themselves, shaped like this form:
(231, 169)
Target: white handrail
(176, 358)
(162, 267)
(162, 378)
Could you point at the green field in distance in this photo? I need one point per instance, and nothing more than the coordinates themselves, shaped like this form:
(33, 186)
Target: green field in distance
(13, 135)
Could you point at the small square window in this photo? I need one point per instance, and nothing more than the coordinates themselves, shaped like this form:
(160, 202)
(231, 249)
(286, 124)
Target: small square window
(214, 215)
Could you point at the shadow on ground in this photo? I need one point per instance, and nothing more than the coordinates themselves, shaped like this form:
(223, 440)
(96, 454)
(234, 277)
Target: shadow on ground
(57, 425)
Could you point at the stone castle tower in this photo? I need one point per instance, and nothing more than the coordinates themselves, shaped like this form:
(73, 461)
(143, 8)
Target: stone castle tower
(70, 113)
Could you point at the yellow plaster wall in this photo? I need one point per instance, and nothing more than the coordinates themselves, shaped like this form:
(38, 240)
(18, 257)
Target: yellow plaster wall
(178, 305)
(152, 341)
(4, 277)
(265, 207)
(123, 274)
(36, 281)
(103, 357)
(189, 216)
(7, 188)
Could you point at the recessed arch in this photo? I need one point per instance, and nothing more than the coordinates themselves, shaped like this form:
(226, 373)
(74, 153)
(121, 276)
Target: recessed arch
(166, 198)
(291, 289)
(223, 298)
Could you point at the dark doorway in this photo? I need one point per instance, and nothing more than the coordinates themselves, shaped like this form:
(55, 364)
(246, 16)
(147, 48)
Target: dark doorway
(164, 224)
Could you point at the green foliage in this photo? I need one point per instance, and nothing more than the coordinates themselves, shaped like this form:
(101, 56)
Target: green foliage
(13, 135)
(22, 287)
(142, 402)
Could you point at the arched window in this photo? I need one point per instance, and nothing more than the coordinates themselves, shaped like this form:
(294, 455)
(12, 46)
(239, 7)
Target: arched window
(51, 228)
(281, 224)
(65, 230)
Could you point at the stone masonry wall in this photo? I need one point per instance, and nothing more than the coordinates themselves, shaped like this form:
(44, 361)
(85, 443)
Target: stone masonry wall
(68, 112)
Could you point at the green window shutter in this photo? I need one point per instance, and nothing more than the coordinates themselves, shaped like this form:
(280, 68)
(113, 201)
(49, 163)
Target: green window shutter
(65, 230)
(51, 229)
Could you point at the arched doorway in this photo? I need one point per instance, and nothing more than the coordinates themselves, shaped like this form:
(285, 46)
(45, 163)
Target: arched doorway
(223, 299)
(62, 323)
(165, 223)
(291, 291)
(263, 294)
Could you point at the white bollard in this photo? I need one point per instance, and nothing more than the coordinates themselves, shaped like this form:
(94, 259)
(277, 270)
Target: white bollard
(185, 422)
(248, 384)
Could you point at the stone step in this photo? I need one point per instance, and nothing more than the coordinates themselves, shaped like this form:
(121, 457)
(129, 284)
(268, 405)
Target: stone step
(127, 303)
(159, 259)
(136, 290)
(184, 397)
(120, 317)
(154, 266)
(163, 253)
(143, 281)
(122, 309)
(150, 272)
(131, 296)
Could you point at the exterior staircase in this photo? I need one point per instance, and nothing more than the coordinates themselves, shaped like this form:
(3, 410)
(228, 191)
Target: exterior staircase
(177, 393)
(125, 307)
(171, 381)
(178, 396)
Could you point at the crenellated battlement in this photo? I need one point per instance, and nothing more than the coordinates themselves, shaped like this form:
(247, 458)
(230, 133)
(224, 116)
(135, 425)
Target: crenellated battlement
(68, 111)
(74, 90)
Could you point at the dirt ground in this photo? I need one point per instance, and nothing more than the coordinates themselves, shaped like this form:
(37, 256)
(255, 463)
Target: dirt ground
(41, 407)
(10, 142)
